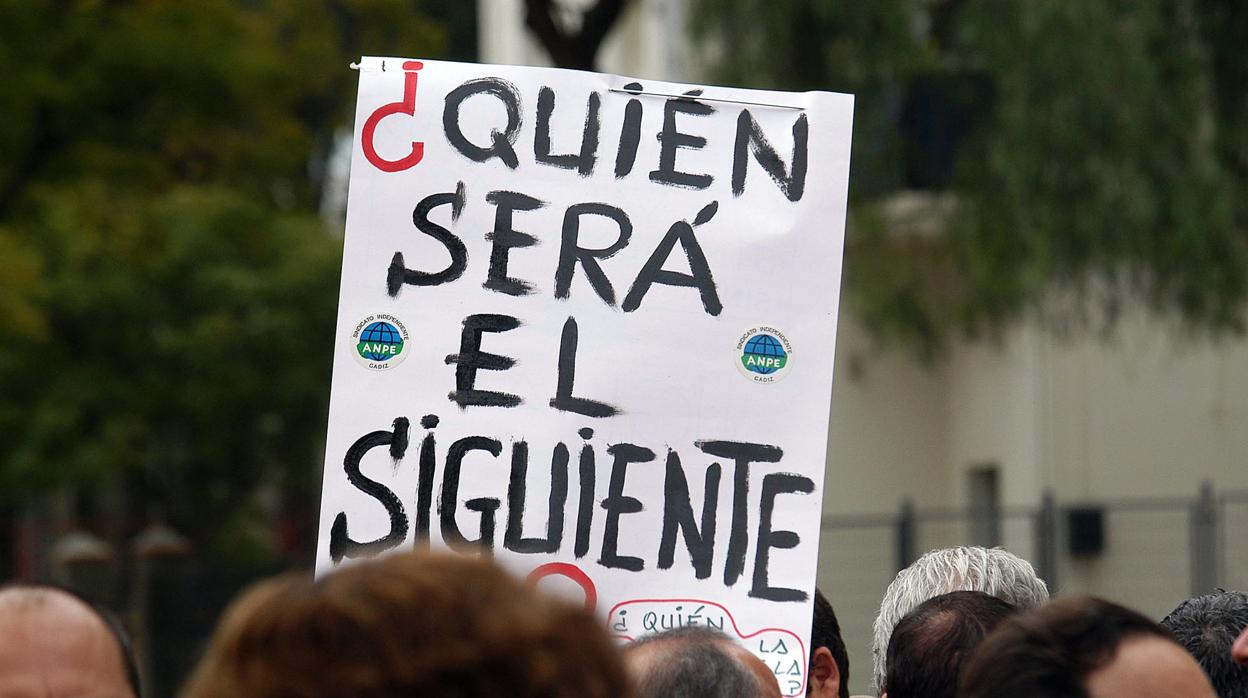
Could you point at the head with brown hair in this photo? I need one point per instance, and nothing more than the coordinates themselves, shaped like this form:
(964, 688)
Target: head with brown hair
(1082, 647)
(405, 625)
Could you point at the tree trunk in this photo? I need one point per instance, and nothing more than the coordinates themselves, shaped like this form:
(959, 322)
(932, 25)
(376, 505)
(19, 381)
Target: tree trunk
(572, 50)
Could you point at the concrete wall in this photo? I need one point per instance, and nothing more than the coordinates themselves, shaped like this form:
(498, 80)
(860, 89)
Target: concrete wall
(888, 436)
(1144, 413)
(1135, 422)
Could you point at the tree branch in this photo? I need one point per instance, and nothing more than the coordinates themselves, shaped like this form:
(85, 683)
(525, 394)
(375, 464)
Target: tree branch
(577, 50)
(598, 21)
(539, 18)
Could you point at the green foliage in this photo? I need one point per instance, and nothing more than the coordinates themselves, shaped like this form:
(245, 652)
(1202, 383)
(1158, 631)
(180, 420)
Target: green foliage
(184, 337)
(865, 48)
(167, 288)
(216, 91)
(1106, 167)
(1098, 170)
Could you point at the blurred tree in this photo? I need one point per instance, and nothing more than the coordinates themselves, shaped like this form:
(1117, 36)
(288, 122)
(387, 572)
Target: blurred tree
(168, 290)
(1095, 154)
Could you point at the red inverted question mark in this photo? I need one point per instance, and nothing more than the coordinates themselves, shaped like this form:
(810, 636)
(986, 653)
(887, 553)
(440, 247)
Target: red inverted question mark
(407, 106)
(572, 572)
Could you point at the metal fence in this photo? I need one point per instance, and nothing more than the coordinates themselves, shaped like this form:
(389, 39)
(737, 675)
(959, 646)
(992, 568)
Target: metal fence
(1148, 554)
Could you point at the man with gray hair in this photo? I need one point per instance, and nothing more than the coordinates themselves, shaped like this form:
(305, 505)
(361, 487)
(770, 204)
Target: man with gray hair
(993, 571)
(697, 662)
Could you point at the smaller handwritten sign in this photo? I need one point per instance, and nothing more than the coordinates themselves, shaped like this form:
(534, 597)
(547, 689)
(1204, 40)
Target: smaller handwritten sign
(783, 651)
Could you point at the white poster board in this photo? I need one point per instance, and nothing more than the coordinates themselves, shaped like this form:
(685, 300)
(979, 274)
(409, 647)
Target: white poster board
(587, 322)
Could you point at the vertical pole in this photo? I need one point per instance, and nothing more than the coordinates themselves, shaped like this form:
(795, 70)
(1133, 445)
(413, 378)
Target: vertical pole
(1204, 535)
(993, 513)
(140, 602)
(1046, 540)
(906, 535)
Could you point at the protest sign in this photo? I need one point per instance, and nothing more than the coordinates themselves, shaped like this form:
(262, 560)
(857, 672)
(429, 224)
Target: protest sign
(587, 324)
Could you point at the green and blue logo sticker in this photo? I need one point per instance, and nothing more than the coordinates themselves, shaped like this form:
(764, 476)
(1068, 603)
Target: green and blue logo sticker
(764, 354)
(380, 342)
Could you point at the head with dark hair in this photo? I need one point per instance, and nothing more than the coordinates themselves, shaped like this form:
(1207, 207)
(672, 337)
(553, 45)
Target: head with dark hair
(52, 640)
(409, 624)
(932, 643)
(1207, 626)
(697, 662)
(829, 662)
(1082, 647)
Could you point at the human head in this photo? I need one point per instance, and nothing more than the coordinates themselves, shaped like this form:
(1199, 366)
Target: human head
(1082, 647)
(1239, 651)
(1207, 626)
(697, 662)
(931, 644)
(54, 642)
(829, 662)
(402, 625)
(965, 568)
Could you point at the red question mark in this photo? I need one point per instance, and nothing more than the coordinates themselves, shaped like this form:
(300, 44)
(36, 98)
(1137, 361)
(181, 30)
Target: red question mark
(572, 572)
(407, 106)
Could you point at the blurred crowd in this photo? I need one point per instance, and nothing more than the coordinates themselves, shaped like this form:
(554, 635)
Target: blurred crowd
(959, 622)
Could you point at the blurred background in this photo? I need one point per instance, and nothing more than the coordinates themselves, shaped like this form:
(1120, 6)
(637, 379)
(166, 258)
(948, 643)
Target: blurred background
(1042, 329)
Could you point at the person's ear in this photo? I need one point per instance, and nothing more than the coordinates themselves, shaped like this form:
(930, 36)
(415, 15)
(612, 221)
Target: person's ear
(1239, 650)
(825, 675)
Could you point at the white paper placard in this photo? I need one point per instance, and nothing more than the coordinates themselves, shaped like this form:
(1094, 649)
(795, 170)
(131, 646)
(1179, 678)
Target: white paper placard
(588, 322)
